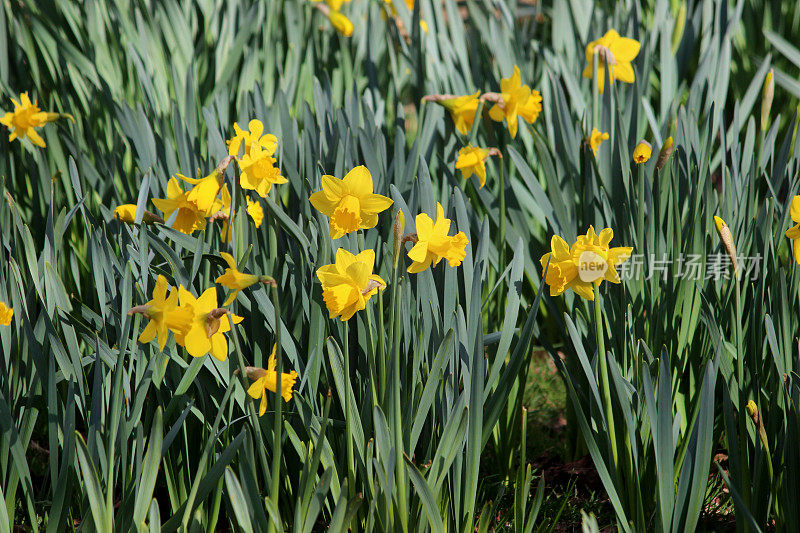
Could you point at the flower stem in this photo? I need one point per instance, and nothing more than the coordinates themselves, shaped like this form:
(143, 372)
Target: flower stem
(640, 210)
(276, 432)
(502, 183)
(373, 373)
(402, 506)
(381, 351)
(351, 469)
(595, 94)
(604, 384)
(744, 436)
(251, 408)
(272, 231)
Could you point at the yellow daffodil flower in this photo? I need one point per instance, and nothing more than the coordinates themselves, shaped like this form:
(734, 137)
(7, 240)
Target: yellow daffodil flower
(255, 135)
(164, 314)
(205, 190)
(596, 139)
(6, 314)
(462, 108)
(514, 100)
(235, 280)
(259, 172)
(432, 243)
(221, 211)
(617, 52)
(341, 23)
(472, 160)
(189, 217)
(209, 323)
(127, 213)
(349, 203)
(255, 211)
(348, 284)
(642, 152)
(726, 237)
(27, 116)
(561, 270)
(267, 380)
(794, 232)
(587, 263)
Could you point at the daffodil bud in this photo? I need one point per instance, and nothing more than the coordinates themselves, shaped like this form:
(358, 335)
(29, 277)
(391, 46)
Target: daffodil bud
(642, 152)
(767, 93)
(664, 153)
(752, 410)
(726, 237)
(341, 23)
(680, 25)
(399, 225)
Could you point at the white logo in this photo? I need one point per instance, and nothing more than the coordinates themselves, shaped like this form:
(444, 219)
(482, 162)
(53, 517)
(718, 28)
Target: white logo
(591, 266)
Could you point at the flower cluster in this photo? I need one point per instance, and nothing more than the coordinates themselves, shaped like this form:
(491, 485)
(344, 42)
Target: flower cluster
(351, 205)
(197, 323)
(209, 198)
(514, 101)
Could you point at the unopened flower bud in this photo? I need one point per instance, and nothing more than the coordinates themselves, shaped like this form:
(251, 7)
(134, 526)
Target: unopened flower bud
(767, 93)
(726, 237)
(664, 153)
